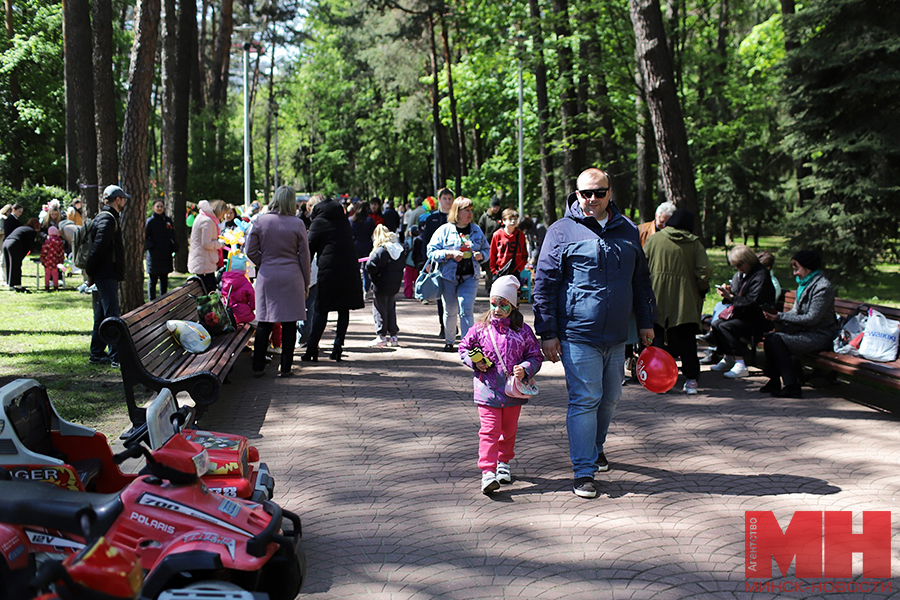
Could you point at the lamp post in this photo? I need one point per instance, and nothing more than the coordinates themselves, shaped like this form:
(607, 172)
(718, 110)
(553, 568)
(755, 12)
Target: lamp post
(520, 48)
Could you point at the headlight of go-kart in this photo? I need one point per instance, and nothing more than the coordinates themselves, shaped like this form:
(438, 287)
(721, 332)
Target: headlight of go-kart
(201, 463)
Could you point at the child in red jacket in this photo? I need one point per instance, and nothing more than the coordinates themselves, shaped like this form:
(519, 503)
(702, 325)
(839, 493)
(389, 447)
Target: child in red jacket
(53, 254)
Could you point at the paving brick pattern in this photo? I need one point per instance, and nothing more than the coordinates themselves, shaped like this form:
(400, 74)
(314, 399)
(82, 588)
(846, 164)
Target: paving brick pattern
(377, 454)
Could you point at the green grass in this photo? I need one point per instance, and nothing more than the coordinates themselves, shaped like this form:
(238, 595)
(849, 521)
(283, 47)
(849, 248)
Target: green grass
(47, 337)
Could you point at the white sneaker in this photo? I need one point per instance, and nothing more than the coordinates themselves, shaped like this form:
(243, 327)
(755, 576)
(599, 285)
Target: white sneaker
(393, 341)
(690, 387)
(503, 474)
(489, 483)
(737, 371)
(723, 365)
(378, 342)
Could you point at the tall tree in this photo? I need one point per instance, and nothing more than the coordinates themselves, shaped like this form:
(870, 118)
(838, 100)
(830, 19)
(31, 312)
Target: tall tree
(179, 25)
(455, 127)
(548, 193)
(16, 156)
(222, 57)
(568, 108)
(105, 95)
(802, 170)
(133, 175)
(79, 55)
(675, 171)
(843, 79)
(439, 152)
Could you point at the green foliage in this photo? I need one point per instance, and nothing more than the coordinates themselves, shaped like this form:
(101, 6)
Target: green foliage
(32, 122)
(844, 83)
(33, 197)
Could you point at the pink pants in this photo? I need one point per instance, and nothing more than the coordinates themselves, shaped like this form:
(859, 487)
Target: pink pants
(497, 436)
(409, 281)
(51, 274)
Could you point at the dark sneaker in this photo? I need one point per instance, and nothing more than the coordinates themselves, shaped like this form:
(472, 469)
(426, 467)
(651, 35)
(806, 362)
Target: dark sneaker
(602, 463)
(102, 360)
(449, 348)
(585, 487)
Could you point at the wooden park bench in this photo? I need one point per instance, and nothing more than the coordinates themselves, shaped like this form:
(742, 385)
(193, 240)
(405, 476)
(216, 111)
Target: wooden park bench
(856, 367)
(150, 356)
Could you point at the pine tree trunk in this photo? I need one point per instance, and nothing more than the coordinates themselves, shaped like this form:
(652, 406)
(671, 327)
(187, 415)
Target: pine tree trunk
(567, 99)
(14, 143)
(802, 169)
(105, 96)
(675, 169)
(79, 55)
(133, 175)
(548, 194)
(218, 89)
(440, 155)
(177, 24)
(454, 132)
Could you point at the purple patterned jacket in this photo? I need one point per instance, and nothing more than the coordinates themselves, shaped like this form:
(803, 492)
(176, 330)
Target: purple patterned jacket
(517, 348)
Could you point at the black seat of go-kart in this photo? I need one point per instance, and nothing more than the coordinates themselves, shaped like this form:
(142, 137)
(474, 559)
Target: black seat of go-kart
(46, 505)
(29, 416)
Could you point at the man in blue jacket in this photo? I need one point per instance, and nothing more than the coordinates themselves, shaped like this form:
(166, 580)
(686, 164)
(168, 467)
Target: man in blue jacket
(591, 277)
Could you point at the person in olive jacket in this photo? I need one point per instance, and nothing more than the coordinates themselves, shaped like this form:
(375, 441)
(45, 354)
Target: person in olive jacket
(339, 282)
(679, 274)
(160, 244)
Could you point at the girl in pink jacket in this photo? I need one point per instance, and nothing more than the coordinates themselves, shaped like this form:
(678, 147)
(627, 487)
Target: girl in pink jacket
(500, 330)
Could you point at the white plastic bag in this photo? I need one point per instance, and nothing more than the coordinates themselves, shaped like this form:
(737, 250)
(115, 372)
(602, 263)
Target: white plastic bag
(846, 342)
(193, 337)
(880, 340)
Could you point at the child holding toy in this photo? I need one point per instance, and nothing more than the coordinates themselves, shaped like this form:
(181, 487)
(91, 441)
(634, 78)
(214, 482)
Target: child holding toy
(498, 341)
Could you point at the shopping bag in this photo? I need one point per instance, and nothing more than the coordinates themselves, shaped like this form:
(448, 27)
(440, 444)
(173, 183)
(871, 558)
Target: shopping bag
(880, 339)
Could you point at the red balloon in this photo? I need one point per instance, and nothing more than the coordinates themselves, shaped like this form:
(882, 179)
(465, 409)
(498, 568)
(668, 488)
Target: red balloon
(656, 370)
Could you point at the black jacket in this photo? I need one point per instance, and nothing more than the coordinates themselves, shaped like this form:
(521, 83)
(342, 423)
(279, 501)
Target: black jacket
(331, 242)
(10, 224)
(750, 292)
(386, 272)
(20, 239)
(431, 224)
(160, 244)
(106, 259)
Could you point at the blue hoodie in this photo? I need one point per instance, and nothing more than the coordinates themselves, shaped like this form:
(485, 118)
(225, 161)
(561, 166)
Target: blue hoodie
(590, 280)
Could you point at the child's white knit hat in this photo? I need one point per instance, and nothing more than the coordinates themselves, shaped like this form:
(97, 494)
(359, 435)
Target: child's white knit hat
(507, 287)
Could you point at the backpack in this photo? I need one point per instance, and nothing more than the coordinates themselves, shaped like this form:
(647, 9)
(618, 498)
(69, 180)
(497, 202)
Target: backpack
(83, 238)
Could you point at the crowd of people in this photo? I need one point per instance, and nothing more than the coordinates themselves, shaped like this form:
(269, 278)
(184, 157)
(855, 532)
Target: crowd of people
(603, 288)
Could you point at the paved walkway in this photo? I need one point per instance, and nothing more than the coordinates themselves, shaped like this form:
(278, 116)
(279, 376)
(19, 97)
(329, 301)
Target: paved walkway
(377, 454)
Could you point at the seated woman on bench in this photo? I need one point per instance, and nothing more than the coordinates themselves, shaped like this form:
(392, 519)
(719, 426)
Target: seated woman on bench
(810, 325)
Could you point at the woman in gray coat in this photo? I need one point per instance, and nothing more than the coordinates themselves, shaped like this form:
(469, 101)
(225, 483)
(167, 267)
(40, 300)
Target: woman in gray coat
(279, 248)
(810, 326)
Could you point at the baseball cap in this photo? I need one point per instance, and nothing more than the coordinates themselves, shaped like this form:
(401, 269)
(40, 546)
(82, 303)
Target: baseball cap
(114, 191)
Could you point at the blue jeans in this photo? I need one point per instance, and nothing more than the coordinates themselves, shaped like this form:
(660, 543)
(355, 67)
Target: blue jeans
(459, 301)
(106, 304)
(594, 382)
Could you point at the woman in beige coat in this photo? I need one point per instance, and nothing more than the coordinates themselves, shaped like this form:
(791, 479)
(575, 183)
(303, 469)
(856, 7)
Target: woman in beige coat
(204, 256)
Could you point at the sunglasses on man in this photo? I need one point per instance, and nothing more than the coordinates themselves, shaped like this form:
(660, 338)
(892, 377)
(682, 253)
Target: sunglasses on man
(597, 193)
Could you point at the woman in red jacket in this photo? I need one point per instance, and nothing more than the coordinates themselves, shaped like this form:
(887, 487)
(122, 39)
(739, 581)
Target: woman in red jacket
(509, 251)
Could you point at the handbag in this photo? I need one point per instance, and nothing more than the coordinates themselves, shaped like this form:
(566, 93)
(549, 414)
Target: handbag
(428, 285)
(726, 313)
(212, 315)
(515, 387)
